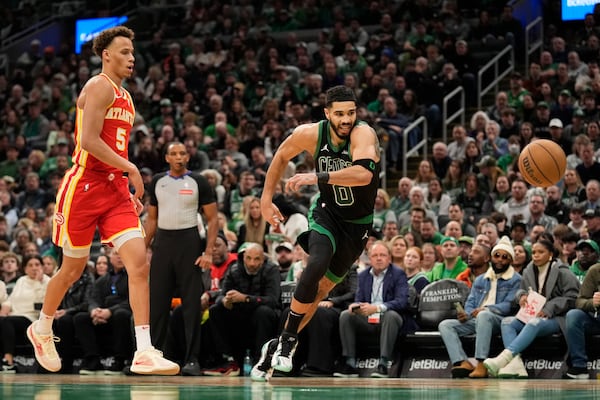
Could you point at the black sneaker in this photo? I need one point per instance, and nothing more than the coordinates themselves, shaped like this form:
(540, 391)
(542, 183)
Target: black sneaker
(284, 354)
(127, 371)
(191, 368)
(8, 368)
(380, 372)
(346, 371)
(90, 366)
(576, 373)
(115, 367)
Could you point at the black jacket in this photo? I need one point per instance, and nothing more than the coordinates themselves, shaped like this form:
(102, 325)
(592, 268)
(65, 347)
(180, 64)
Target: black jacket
(264, 288)
(104, 296)
(77, 297)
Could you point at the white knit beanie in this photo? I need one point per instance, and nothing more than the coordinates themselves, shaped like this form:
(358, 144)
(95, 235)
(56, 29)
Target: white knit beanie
(504, 244)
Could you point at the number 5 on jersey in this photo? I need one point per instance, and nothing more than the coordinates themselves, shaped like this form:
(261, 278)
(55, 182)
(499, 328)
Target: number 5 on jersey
(120, 139)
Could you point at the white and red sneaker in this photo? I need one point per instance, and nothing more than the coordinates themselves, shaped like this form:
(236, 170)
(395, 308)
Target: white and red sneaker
(151, 362)
(45, 350)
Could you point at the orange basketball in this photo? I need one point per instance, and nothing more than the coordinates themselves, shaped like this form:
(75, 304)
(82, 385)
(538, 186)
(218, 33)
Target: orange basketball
(542, 163)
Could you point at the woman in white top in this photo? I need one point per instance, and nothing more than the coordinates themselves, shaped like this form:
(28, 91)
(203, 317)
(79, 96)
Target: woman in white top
(21, 308)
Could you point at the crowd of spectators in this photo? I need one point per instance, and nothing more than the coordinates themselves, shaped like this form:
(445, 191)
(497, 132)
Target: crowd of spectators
(232, 81)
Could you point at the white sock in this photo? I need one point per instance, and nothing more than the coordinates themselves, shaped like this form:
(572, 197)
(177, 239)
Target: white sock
(44, 325)
(142, 337)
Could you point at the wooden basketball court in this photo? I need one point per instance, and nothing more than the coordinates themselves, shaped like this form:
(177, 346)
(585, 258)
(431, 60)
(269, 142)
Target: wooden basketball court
(76, 387)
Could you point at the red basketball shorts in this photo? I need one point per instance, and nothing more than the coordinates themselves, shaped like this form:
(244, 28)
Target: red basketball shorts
(87, 199)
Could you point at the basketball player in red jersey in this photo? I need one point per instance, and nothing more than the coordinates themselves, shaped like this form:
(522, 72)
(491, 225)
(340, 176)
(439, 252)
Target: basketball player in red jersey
(95, 193)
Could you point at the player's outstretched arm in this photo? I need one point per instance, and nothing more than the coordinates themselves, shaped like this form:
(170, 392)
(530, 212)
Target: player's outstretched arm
(304, 138)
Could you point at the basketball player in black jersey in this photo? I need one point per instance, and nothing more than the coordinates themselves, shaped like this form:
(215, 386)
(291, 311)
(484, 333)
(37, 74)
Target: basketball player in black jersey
(346, 153)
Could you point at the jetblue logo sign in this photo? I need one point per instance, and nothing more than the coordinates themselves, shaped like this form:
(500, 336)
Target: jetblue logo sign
(428, 364)
(543, 364)
(367, 363)
(414, 367)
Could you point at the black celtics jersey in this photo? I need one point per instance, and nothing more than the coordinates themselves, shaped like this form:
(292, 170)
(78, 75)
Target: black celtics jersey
(351, 204)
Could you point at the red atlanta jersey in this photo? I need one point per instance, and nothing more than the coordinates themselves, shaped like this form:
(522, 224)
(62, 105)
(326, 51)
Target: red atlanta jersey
(118, 121)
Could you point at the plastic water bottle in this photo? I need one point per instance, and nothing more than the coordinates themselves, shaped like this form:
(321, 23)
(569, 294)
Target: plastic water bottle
(247, 364)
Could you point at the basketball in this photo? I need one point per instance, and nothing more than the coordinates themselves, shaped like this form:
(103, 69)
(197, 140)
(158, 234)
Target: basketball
(542, 163)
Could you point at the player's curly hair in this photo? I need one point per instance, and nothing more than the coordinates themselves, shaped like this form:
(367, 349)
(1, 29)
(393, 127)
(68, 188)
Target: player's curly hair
(105, 38)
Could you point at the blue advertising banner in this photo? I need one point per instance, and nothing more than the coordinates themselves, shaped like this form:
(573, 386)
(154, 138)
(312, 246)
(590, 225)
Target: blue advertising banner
(576, 9)
(88, 29)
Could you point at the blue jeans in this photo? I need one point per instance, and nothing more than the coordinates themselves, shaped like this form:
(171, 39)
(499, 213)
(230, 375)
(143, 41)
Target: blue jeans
(580, 324)
(517, 336)
(484, 326)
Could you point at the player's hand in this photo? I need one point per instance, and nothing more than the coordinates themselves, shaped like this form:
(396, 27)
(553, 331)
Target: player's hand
(137, 205)
(295, 183)
(135, 180)
(462, 316)
(271, 213)
(204, 261)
